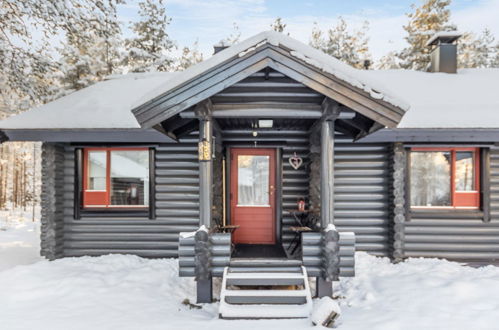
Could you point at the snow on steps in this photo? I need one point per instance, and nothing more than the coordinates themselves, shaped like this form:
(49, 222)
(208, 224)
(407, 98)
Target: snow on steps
(250, 301)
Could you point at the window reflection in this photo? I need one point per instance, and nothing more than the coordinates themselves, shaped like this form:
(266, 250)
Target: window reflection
(253, 180)
(430, 178)
(96, 170)
(465, 177)
(129, 177)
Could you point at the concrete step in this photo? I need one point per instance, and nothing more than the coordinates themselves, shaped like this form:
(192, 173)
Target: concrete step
(227, 311)
(264, 278)
(259, 297)
(261, 293)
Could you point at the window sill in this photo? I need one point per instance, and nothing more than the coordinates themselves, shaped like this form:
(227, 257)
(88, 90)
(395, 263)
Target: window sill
(111, 212)
(475, 212)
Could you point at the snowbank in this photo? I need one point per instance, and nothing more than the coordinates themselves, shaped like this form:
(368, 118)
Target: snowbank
(128, 292)
(19, 239)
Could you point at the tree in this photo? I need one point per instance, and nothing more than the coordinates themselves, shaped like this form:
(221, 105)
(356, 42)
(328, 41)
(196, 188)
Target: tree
(90, 54)
(388, 62)
(477, 52)
(431, 17)
(150, 49)
(348, 46)
(189, 57)
(25, 63)
(278, 25)
(233, 38)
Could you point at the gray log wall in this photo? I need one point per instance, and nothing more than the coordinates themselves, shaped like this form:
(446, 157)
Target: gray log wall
(177, 210)
(313, 255)
(361, 198)
(459, 235)
(220, 248)
(52, 201)
(363, 201)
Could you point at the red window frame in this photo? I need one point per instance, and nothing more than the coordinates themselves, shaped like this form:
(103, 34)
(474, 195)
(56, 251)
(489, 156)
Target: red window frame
(102, 198)
(460, 199)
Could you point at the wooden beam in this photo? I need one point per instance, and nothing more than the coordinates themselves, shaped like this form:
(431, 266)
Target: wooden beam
(262, 110)
(186, 129)
(334, 88)
(331, 110)
(170, 106)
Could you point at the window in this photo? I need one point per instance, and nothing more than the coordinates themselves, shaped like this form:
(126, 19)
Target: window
(116, 178)
(445, 177)
(253, 180)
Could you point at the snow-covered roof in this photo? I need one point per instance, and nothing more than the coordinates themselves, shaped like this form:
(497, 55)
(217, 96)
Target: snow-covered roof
(448, 36)
(106, 104)
(298, 49)
(467, 99)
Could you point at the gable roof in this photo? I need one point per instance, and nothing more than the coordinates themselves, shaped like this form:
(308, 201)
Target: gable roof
(298, 61)
(466, 100)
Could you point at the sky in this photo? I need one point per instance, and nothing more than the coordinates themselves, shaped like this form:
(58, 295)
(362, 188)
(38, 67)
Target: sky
(209, 21)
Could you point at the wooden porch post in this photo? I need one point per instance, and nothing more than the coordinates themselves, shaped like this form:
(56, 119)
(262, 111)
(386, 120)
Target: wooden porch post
(323, 286)
(205, 171)
(327, 175)
(203, 258)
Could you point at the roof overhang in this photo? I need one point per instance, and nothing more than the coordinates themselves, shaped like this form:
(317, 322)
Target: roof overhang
(300, 62)
(137, 135)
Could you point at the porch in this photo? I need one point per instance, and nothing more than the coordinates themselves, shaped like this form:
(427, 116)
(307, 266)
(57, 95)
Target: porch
(296, 149)
(267, 118)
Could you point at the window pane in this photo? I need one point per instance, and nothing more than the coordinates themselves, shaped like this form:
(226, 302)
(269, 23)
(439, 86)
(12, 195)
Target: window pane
(465, 177)
(430, 178)
(253, 180)
(129, 177)
(96, 170)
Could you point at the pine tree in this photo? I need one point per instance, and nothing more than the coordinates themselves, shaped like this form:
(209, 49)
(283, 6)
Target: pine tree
(431, 17)
(348, 46)
(388, 62)
(233, 38)
(150, 49)
(26, 63)
(90, 54)
(189, 57)
(278, 25)
(477, 52)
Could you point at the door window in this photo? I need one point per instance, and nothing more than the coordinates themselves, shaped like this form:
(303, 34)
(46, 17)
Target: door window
(253, 180)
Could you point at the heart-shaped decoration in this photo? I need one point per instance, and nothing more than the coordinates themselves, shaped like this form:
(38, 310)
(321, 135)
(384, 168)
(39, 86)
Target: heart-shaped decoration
(295, 162)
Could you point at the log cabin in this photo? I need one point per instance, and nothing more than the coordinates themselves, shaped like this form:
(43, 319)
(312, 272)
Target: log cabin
(269, 164)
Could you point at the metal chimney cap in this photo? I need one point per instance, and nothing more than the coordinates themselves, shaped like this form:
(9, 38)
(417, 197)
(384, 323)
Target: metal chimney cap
(444, 37)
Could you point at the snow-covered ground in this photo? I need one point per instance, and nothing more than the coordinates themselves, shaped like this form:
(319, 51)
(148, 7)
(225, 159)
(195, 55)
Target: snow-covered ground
(128, 292)
(19, 239)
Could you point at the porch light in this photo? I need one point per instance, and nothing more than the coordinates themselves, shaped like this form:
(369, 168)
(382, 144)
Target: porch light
(265, 123)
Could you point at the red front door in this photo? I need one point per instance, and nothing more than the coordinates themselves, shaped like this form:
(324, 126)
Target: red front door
(252, 200)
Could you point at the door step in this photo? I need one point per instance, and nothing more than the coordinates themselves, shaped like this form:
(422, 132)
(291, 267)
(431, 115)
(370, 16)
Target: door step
(265, 265)
(265, 294)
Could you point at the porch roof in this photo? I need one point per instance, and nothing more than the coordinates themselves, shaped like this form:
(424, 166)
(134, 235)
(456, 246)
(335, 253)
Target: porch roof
(276, 51)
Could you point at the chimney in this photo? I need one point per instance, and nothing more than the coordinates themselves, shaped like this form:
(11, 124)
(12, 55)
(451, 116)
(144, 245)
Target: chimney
(444, 51)
(219, 47)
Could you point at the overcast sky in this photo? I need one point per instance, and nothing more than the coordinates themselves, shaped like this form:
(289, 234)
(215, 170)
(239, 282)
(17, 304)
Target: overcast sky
(209, 21)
